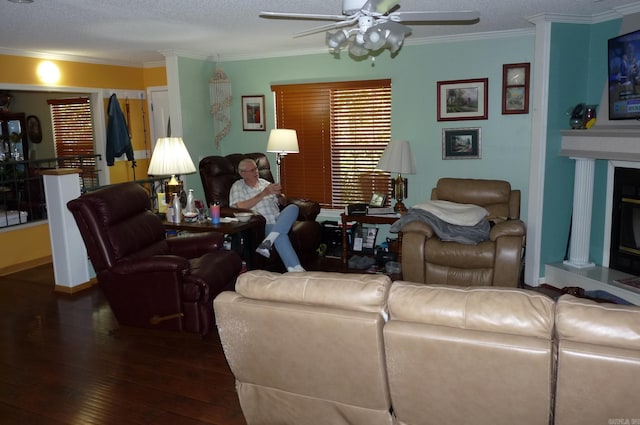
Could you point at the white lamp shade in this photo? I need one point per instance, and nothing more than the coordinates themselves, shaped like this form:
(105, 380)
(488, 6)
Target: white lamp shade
(170, 157)
(397, 158)
(283, 141)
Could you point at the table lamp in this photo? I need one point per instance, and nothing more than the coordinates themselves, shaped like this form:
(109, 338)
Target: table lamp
(170, 158)
(397, 158)
(282, 141)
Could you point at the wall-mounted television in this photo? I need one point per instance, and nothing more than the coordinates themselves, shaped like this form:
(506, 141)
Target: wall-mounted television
(624, 76)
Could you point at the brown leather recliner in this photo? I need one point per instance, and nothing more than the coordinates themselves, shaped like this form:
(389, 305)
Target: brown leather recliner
(148, 280)
(497, 261)
(218, 173)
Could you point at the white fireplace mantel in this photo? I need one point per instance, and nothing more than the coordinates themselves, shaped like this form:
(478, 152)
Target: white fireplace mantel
(610, 142)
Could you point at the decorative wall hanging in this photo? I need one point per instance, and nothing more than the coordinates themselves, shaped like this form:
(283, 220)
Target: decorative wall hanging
(34, 130)
(515, 88)
(461, 143)
(463, 99)
(253, 113)
(220, 95)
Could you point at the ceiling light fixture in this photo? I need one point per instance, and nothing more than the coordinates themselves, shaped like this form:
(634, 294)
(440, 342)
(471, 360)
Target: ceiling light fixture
(21, 1)
(369, 36)
(378, 25)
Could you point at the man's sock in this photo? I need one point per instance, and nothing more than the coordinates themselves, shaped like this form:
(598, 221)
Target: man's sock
(297, 268)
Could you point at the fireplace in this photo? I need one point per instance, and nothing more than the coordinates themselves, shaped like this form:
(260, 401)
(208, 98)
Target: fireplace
(620, 146)
(624, 251)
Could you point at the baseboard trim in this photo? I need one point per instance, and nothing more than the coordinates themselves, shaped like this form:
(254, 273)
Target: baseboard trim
(72, 290)
(15, 268)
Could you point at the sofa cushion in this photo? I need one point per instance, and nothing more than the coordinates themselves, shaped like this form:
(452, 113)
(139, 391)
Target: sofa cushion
(598, 362)
(582, 320)
(357, 292)
(500, 310)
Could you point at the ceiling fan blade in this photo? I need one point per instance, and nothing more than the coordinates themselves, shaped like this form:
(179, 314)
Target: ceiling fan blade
(458, 16)
(380, 6)
(285, 15)
(326, 27)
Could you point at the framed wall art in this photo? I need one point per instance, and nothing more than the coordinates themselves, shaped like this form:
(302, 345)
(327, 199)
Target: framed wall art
(461, 143)
(515, 88)
(463, 100)
(253, 113)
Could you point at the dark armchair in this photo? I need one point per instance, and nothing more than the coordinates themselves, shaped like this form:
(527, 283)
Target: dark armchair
(218, 173)
(151, 281)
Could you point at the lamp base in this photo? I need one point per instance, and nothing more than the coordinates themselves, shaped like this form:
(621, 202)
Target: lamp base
(399, 207)
(170, 189)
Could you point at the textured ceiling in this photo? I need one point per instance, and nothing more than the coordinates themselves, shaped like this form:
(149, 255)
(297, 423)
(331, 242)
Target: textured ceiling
(137, 32)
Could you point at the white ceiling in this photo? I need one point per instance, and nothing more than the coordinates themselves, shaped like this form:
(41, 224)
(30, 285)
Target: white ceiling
(136, 32)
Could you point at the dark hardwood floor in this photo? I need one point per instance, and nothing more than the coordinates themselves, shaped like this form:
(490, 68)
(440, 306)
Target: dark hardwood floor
(63, 360)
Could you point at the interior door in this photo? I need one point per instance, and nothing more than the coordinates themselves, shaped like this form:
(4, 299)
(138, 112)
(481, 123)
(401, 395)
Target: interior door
(159, 107)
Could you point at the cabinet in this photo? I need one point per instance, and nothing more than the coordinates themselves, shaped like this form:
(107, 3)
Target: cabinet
(14, 144)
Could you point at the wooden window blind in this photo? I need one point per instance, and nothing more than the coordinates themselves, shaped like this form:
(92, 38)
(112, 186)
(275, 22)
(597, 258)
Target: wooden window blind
(73, 136)
(343, 128)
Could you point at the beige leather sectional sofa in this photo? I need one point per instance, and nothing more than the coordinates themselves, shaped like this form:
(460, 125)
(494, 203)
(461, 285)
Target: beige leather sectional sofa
(329, 348)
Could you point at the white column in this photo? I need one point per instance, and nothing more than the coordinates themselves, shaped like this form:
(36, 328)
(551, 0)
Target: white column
(582, 207)
(70, 260)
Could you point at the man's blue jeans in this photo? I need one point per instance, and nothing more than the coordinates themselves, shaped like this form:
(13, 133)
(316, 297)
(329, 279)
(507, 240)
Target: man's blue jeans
(283, 245)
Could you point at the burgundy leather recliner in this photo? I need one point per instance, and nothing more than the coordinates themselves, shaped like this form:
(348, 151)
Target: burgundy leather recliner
(151, 281)
(218, 173)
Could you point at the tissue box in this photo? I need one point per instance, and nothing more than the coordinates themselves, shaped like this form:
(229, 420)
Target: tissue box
(10, 218)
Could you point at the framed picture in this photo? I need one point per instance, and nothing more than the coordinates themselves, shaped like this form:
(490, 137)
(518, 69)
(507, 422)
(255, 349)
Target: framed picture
(370, 239)
(463, 100)
(34, 131)
(253, 113)
(378, 200)
(461, 143)
(515, 88)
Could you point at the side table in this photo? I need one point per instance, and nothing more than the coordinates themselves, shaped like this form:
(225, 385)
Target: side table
(242, 234)
(367, 219)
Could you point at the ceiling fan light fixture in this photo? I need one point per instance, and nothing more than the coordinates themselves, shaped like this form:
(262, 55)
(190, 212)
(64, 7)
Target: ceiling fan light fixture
(357, 49)
(375, 38)
(337, 40)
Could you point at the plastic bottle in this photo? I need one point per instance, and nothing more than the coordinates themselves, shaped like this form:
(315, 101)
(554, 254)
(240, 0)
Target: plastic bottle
(177, 210)
(215, 212)
(191, 203)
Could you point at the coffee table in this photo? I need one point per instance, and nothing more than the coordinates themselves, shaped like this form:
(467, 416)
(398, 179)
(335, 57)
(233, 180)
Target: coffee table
(243, 235)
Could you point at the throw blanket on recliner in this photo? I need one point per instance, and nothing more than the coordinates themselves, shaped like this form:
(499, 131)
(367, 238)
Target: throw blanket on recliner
(445, 231)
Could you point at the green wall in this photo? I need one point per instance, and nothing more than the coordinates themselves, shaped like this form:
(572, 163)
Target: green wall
(578, 73)
(414, 72)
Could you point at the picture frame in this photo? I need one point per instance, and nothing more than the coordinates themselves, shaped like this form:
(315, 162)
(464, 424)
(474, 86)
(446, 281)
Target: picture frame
(253, 118)
(515, 88)
(378, 200)
(463, 99)
(34, 130)
(369, 241)
(461, 143)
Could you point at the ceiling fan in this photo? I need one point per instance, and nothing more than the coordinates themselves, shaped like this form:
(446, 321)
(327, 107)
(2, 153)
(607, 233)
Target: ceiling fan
(378, 24)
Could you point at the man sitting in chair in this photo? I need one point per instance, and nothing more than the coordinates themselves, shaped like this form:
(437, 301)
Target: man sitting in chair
(265, 198)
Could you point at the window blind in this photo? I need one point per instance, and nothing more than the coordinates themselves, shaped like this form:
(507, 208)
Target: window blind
(73, 136)
(343, 128)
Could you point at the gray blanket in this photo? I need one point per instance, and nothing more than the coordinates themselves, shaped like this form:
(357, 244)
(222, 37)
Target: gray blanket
(445, 231)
